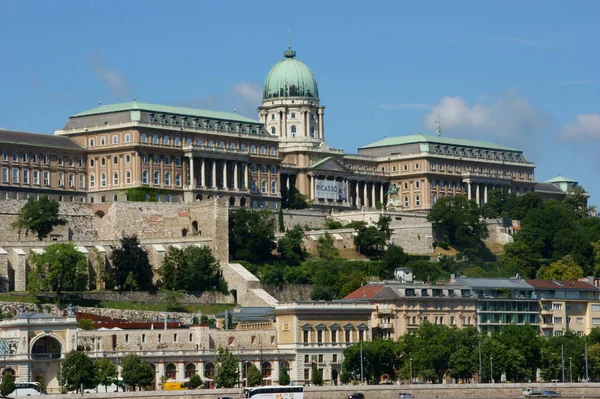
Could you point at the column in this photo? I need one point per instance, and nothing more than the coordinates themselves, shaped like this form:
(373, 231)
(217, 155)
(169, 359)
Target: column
(485, 193)
(203, 173)
(181, 371)
(225, 182)
(287, 182)
(306, 123)
(381, 194)
(477, 194)
(312, 188)
(357, 203)
(321, 124)
(235, 176)
(365, 195)
(214, 175)
(469, 190)
(245, 168)
(373, 195)
(192, 181)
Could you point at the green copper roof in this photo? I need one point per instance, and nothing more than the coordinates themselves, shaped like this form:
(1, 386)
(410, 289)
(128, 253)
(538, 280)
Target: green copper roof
(561, 179)
(165, 109)
(290, 78)
(421, 138)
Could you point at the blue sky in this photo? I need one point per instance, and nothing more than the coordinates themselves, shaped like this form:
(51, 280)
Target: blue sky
(522, 73)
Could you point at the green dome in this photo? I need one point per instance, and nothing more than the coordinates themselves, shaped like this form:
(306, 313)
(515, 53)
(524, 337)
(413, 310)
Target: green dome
(290, 78)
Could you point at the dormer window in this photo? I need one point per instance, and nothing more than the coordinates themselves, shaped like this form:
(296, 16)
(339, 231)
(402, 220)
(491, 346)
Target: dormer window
(163, 118)
(152, 117)
(437, 149)
(228, 126)
(206, 124)
(184, 121)
(173, 120)
(217, 125)
(195, 122)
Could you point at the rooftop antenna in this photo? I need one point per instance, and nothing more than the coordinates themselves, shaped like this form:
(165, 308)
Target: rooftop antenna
(289, 38)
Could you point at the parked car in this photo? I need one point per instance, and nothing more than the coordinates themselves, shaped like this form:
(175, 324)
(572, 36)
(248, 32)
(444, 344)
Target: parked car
(356, 395)
(550, 394)
(405, 395)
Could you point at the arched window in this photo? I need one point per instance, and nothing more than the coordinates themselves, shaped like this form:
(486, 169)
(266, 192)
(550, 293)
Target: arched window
(263, 169)
(115, 160)
(92, 163)
(115, 139)
(116, 179)
(211, 143)
(266, 369)
(156, 178)
(418, 200)
(209, 370)
(273, 170)
(263, 150)
(263, 186)
(284, 365)
(273, 187)
(253, 148)
(406, 202)
(253, 168)
(155, 139)
(254, 186)
(272, 151)
(166, 140)
(102, 162)
(167, 178)
(92, 181)
(178, 179)
(144, 177)
(177, 141)
(127, 158)
(273, 131)
(167, 161)
(103, 180)
(178, 161)
(128, 177)
(171, 371)
(190, 370)
(127, 138)
(144, 138)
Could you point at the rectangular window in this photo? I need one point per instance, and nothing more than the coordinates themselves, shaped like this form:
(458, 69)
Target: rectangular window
(15, 175)
(595, 321)
(15, 156)
(61, 179)
(595, 307)
(348, 336)
(320, 336)
(174, 337)
(143, 335)
(81, 181)
(36, 177)
(580, 320)
(306, 359)
(557, 320)
(558, 333)
(71, 180)
(320, 358)
(4, 175)
(25, 177)
(557, 306)
(307, 374)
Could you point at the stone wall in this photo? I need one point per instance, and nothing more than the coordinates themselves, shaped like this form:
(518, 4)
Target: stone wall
(150, 297)
(313, 218)
(569, 390)
(290, 292)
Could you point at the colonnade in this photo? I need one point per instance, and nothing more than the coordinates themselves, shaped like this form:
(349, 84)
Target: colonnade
(481, 190)
(210, 173)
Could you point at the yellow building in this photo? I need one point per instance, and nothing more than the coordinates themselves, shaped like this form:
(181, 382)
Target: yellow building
(317, 332)
(567, 306)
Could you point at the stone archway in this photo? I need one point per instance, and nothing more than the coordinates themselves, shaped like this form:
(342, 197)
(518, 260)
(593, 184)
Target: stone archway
(243, 202)
(46, 347)
(334, 376)
(231, 201)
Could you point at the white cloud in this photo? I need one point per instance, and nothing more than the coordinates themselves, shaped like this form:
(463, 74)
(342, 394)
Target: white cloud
(250, 92)
(405, 106)
(586, 126)
(506, 116)
(114, 80)
(244, 98)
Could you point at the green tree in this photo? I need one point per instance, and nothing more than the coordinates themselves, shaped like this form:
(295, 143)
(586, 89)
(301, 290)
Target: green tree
(194, 382)
(576, 202)
(226, 374)
(520, 364)
(370, 240)
(59, 268)
(173, 300)
(457, 218)
(293, 199)
(563, 269)
(39, 216)
(280, 220)
(326, 247)
(7, 386)
(77, 370)
(136, 372)
(284, 377)
(85, 324)
(463, 363)
(253, 375)
(379, 357)
(291, 248)
(594, 361)
(393, 258)
(105, 372)
(191, 268)
(518, 257)
(251, 235)
(316, 375)
(496, 205)
(130, 258)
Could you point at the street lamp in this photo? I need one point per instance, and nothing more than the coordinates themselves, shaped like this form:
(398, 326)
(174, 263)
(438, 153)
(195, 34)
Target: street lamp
(411, 377)
(571, 369)
(491, 369)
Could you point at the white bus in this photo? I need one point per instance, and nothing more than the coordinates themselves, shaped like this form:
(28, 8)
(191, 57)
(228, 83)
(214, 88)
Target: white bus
(26, 389)
(274, 392)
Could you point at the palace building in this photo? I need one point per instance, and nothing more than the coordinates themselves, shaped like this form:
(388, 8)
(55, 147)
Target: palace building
(174, 154)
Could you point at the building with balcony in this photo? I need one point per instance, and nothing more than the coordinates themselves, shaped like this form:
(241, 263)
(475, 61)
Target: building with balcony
(567, 306)
(502, 301)
(317, 332)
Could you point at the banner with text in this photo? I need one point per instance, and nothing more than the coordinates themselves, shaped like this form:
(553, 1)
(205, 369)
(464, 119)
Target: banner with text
(330, 189)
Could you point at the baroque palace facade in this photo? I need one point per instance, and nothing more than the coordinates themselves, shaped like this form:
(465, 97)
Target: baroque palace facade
(184, 154)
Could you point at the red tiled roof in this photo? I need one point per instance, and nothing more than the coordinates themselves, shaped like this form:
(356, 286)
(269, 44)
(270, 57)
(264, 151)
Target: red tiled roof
(365, 292)
(561, 284)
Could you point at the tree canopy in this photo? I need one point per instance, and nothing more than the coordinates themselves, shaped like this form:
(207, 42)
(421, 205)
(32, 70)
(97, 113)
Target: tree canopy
(105, 372)
(136, 372)
(131, 263)
(251, 235)
(226, 373)
(76, 370)
(39, 216)
(191, 268)
(59, 268)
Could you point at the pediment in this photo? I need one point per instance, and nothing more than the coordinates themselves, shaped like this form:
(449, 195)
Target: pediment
(329, 165)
